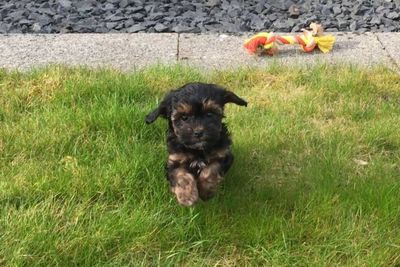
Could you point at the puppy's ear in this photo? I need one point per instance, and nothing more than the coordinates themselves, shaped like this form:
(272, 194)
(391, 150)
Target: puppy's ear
(152, 116)
(161, 110)
(230, 97)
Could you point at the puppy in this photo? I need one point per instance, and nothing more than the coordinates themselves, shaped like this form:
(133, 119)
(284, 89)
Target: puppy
(198, 141)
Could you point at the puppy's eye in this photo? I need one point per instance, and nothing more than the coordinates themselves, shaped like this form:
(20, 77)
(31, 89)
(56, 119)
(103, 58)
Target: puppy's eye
(210, 114)
(184, 118)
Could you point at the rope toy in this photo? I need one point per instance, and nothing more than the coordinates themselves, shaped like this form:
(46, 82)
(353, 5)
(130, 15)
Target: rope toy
(268, 42)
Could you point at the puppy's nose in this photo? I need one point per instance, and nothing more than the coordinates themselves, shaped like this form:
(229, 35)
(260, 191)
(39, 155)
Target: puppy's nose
(198, 133)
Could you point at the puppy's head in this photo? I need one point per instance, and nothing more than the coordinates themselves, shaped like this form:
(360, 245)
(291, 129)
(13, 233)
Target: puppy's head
(195, 113)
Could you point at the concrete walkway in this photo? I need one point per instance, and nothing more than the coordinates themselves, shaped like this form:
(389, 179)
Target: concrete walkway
(131, 51)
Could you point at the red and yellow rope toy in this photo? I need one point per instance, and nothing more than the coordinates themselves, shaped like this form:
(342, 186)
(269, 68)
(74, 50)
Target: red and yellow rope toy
(268, 42)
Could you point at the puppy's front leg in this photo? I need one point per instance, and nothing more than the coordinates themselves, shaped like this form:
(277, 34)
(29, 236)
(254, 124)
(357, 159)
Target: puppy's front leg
(212, 175)
(184, 186)
(182, 182)
(209, 179)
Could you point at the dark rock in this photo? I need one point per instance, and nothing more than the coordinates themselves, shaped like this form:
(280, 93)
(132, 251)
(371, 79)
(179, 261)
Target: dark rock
(296, 28)
(24, 22)
(326, 10)
(36, 27)
(362, 30)
(136, 9)
(128, 23)
(233, 13)
(101, 29)
(272, 17)
(181, 28)
(281, 25)
(353, 26)
(160, 27)
(260, 7)
(156, 16)
(331, 30)
(294, 11)
(194, 16)
(3, 28)
(44, 20)
(390, 29)
(149, 23)
(57, 19)
(66, 29)
(14, 29)
(312, 18)
(44, 5)
(189, 15)
(213, 3)
(168, 19)
(111, 25)
(213, 27)
(393, 15)
(137, 16)
(123, 3)
(65, 4)
(236, 4)
(347, 3)
(286, 4)
(375, 21)
(17, 15)
(47, 11)
(114, 18)
(136, 28)
(109, 6)
(359, 9)
(342, 24)
(200, 15)
(231, 27)
(49, 29)
(195, 30)
(388, 22)
(258, 23)
(138, 2)
(244, 27)
(9, 6)
(84, 6)
(119, 26)
(336, 10)
(380, 9)
(389, 4)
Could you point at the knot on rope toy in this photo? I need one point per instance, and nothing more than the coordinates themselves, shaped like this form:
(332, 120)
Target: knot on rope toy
(268, 42)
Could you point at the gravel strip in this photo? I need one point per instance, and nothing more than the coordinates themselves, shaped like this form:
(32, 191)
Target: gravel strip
(222, 16)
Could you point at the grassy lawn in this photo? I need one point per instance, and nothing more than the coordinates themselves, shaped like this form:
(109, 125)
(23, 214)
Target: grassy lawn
(316, 180)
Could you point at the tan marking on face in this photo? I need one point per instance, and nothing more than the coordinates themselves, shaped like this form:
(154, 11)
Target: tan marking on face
(182, 108)
(208, 181)
(185, 187)
(210, 105)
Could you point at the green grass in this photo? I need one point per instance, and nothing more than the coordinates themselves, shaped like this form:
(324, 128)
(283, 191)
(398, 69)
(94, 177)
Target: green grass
(316, 180)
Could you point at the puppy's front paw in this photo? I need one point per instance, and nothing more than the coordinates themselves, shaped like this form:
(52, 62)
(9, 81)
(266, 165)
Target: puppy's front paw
(197, 165)
(186, 199)
(185, 189)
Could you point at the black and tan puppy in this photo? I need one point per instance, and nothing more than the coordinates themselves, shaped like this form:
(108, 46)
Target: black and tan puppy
(198, 141)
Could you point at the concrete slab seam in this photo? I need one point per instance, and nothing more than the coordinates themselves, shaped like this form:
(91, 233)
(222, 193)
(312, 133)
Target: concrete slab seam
(392, 60)
(177, 47)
